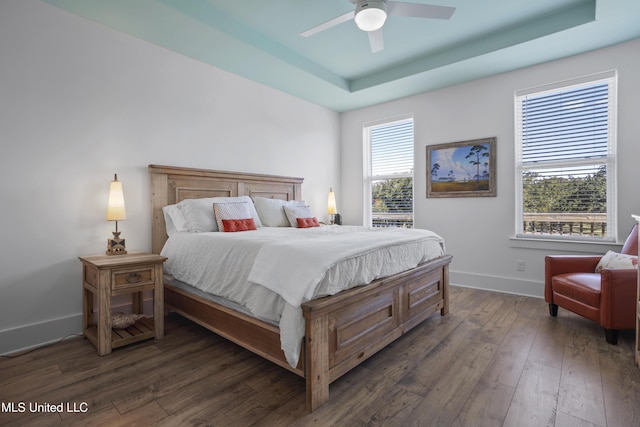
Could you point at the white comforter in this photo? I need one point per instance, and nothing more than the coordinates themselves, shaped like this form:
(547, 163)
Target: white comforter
(282, 267)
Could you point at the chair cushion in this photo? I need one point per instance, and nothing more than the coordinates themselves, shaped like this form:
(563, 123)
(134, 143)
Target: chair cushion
(616, 261)
(582, 287)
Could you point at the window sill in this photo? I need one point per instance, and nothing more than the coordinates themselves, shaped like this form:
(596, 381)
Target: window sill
(586, 246)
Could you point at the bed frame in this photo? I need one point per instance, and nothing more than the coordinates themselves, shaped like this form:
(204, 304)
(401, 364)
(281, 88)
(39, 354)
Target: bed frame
(341, 330)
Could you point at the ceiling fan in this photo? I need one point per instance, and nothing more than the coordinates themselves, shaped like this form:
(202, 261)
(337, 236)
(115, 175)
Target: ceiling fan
(370, 15)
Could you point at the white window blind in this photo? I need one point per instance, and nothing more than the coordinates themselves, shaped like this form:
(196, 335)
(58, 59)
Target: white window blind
(389, 174)
(565, 136)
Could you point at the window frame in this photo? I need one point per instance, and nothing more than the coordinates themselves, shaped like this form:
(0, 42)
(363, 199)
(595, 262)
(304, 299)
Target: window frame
(367, 214)
(610, 160)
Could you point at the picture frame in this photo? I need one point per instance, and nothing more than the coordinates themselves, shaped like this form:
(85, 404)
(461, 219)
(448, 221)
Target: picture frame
(462, 169)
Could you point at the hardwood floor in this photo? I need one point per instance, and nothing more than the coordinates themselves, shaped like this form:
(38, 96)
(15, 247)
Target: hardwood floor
(494, 360)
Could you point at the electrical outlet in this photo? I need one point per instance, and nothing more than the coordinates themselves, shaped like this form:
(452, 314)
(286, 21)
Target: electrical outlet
(520, 265)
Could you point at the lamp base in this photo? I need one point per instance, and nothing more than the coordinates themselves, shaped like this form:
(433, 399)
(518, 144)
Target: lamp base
(115, 246)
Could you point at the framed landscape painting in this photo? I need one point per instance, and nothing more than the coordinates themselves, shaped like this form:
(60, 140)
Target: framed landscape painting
(462, 169)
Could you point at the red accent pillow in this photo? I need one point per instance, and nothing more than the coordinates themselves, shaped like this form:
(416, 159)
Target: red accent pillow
(231, 225)
(307, 222)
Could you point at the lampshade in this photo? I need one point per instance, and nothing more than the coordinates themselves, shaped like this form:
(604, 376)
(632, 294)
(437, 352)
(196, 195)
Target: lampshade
(331, 203)
(115, 205)
(370, 15)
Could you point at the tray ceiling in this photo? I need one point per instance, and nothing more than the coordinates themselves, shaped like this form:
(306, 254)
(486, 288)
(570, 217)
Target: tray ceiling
(260, 40)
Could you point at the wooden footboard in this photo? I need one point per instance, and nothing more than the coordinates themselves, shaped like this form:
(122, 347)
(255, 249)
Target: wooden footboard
(341, 330)
(347, 328)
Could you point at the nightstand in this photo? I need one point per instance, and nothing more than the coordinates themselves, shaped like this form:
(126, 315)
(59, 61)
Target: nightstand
(104, 276)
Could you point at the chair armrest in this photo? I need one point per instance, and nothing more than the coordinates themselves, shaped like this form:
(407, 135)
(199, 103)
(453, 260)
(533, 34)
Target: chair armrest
(562, 264)
(618, 298)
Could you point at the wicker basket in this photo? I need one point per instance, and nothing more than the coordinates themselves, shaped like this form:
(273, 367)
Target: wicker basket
(123, 321)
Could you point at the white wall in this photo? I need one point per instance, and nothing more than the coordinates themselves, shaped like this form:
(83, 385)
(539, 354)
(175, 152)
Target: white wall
(80, 102)
(478, 230)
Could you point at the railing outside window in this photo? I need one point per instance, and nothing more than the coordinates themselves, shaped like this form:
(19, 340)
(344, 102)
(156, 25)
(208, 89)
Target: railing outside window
(392, 220)
(566, 224)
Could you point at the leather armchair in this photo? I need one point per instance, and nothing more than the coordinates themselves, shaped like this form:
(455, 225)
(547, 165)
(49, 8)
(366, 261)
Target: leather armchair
(608, 298)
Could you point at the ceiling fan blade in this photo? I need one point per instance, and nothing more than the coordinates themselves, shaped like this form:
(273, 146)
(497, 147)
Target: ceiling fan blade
(376, 40)
(331, 23)
(401, 8)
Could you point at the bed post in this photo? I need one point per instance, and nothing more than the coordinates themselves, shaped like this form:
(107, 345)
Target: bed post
(445, 290)
(317, 360)
(159, 193)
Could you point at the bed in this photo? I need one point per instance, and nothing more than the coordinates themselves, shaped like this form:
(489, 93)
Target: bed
(340, 331)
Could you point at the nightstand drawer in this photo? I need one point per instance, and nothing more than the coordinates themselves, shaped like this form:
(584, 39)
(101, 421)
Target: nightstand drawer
(127, 278)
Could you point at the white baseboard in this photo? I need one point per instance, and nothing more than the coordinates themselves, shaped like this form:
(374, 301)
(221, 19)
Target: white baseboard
(24, 338)
(27, 337)
(507, 285)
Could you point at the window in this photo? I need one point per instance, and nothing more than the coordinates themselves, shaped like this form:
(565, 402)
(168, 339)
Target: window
(389, 173)
(565, 159)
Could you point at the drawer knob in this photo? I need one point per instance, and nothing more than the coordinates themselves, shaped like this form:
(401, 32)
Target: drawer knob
(134, 278)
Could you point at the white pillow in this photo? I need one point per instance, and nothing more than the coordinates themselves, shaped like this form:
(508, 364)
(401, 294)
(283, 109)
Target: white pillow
(271, 211)
(199, 216)
(615, 261)
(231, 210)
(294, 212)
(173, 219)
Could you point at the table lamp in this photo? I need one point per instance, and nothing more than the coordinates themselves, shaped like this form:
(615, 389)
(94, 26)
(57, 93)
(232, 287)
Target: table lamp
(116, 212)
(331, 206)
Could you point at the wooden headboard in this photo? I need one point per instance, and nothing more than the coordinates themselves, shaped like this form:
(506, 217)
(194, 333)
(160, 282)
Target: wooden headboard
(170, 185)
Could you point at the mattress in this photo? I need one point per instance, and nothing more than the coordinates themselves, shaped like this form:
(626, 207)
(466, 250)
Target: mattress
(271, 271)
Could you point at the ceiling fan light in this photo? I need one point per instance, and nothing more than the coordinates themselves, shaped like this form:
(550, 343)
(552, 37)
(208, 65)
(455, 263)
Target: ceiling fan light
(370, 15)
